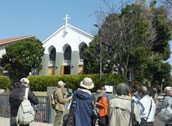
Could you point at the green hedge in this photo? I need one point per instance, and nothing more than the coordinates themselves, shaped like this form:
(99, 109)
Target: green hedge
(41, 82)
(4, 82)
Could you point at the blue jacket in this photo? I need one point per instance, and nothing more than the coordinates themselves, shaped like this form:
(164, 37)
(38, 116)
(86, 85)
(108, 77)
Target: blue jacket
(83, 108)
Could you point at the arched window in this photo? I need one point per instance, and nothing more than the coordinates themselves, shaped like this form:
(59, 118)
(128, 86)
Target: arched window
(53, 55)
(81, 51)
(67, 53)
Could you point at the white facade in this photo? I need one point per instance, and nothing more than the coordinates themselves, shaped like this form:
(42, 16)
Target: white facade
(71, 36)
(65, 38)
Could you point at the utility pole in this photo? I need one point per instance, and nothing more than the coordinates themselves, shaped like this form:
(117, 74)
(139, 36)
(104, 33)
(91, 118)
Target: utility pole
(162, 83)
(130, 79)
(100, 44)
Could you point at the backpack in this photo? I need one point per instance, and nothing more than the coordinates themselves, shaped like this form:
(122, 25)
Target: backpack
(26, 113)
(52, 100)
(165, 114)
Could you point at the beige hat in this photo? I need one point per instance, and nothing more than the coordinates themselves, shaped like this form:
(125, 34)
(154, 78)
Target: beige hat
(87, 83)
(24, 80)
(61, 83)
(168, 88)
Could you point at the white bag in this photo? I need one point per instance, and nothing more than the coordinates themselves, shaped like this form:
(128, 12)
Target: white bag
(26, 112)
(165, 114)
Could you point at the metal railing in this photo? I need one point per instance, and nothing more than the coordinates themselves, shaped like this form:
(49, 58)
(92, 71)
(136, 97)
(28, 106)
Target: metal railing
(42, 109)
(4, 105)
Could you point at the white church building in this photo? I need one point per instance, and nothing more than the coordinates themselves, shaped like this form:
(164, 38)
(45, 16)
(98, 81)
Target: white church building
(64, 50)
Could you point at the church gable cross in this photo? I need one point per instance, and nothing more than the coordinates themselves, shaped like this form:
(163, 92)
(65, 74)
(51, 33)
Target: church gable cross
(66, 19)
(66, 22)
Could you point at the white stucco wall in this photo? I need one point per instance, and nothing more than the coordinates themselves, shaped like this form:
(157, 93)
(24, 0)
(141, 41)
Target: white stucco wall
(73, 37)
(2, 50)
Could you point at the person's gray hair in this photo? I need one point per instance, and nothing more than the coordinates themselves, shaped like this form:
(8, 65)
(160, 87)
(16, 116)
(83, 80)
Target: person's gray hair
(143, 89)
(122, 89)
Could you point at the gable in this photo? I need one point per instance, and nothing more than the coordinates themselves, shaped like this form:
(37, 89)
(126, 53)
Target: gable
(72, 36)
(69, 27)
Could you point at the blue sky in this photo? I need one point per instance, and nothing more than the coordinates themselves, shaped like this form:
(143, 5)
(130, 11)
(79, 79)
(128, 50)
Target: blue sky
(43, 17)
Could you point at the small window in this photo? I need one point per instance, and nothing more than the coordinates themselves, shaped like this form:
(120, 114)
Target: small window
(67, 53)
(81, 53)
(53, 55)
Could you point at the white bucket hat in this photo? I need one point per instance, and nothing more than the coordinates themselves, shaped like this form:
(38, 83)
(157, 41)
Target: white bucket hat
(61, 83)
(168, 88)
(24, 80)
(87, 83)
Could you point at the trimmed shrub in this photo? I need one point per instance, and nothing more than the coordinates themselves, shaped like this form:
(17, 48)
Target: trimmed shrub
(4, 82)
(41, 82)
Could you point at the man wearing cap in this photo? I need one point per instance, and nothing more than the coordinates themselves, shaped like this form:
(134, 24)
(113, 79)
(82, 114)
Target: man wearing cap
(167, 101)
(60, 101)
(102, 105)
(84, 109)
(16, 97)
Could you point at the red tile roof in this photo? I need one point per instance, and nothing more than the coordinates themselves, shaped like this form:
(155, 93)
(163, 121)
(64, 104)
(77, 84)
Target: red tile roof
(5, 41)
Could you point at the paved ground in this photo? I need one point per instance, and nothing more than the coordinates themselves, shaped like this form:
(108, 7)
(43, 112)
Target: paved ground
(157, 122)
(5, 122)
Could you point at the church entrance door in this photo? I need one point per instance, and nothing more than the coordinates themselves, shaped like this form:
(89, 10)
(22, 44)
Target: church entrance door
(66, 69)
(50, 70)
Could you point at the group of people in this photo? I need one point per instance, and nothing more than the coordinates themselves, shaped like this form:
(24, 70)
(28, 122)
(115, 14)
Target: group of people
(122, 110)
(137, 109)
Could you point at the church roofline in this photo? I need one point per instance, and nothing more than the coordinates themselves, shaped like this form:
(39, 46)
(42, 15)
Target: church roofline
(63, 27)
(81, 30)
(45, 40)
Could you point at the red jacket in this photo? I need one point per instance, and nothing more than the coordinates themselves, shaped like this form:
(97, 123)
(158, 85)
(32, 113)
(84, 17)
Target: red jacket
(102, 106)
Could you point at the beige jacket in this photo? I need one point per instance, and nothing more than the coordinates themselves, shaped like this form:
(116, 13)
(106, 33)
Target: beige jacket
(119, 111)
(59, 100)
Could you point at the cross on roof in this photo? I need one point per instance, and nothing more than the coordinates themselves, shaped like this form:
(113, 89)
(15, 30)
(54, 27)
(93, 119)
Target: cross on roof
(66, 19)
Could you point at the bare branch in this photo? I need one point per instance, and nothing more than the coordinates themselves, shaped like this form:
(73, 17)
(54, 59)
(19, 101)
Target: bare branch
(107, 3)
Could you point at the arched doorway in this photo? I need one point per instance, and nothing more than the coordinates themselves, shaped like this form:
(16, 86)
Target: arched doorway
(67, 59)
(52, 61)
(82, 47)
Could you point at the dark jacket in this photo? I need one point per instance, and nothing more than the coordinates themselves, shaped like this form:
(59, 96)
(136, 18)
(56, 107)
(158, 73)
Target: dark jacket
(16, 97)
(83, 110)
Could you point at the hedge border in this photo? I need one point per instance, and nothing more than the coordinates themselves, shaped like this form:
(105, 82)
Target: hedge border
(41, 82)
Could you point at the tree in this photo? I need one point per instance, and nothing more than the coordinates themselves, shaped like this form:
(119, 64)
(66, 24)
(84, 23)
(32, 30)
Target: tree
(168, 3)
(163, 28)
(91, 56)
(121, 34)
(135, 42)
(22, 57)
